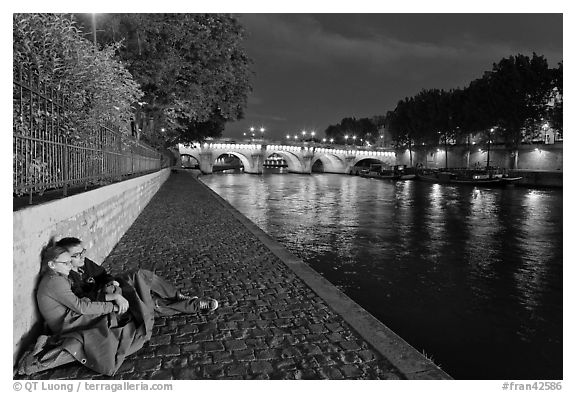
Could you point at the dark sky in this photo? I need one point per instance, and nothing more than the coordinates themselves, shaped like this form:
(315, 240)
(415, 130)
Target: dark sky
(312, 70)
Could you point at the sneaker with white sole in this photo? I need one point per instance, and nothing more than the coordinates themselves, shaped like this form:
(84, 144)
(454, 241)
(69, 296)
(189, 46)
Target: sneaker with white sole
(207, 305)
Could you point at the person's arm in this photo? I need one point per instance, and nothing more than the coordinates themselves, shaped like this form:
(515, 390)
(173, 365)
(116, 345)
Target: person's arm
(61, 291)
(119, 301)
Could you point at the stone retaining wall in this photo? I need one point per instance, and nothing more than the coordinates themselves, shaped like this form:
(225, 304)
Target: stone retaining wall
(530, 157)
(99, 217)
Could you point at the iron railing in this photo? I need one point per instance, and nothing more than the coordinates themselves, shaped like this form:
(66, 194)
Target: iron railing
(46, 157)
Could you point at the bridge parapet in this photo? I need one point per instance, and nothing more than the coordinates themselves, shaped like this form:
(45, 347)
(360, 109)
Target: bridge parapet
(300, 158)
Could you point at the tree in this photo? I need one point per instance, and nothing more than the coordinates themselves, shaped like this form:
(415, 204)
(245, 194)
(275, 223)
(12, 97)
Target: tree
(363, 128)
(192, 68)
(98, 87)
(403, 124)
(519, 88)
(555, 109)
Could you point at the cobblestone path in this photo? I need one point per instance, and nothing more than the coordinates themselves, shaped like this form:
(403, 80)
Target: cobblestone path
(270, 325)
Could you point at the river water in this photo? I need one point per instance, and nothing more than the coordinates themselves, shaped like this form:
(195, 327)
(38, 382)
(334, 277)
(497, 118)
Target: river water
(470, 276)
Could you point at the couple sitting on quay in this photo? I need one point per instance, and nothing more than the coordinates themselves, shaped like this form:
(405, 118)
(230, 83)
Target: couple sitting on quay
(94, 317)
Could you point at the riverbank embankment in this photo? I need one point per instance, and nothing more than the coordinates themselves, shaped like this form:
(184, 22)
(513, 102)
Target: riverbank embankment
(278, 318)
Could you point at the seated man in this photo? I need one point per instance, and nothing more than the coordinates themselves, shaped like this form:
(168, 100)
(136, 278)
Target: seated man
(98, 333)
(92, 281)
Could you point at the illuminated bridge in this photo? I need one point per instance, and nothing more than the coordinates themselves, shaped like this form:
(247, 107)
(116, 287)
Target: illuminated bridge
(299, 158)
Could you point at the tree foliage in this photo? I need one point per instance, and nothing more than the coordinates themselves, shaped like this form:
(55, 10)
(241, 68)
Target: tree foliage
(98, 87)
(192, 68)
(364, 128)
(556, 103)
(510, 101)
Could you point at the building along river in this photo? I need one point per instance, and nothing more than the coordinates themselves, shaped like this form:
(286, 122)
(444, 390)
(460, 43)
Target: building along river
(470, 276)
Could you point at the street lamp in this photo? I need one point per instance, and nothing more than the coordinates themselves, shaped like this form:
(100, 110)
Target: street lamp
(488, 150)
(94, 28)
(346, 140)
(331, 140)
(354, 138)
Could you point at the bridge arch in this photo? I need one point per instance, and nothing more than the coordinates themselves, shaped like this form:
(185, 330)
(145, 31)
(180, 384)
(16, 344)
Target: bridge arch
(292, 160)
(330, 162)
(189, 160)
(243, 159)
(387, 159)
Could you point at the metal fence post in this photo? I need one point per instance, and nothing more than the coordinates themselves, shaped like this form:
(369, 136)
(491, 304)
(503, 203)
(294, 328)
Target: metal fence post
(65, 169)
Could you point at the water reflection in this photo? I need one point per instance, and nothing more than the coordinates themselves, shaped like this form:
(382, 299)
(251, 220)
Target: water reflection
(471, 275)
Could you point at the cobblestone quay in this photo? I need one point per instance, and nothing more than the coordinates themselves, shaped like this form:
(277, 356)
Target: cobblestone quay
(270, 324)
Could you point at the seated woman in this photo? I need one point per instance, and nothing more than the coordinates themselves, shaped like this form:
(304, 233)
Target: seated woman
(92, 281)
(96, 333)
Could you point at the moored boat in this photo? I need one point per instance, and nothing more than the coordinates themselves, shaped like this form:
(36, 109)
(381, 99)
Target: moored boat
(397, 172)
(490, 177)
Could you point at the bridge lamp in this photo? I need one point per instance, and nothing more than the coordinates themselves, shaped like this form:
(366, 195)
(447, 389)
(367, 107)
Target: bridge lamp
(303, 132)
(331, 140)
(324, 140)
(287, 136)
(262, 130)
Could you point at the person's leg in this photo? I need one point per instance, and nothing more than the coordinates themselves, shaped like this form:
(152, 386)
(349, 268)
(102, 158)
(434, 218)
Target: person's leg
(163, 288)
(158, 285)
(166, 307)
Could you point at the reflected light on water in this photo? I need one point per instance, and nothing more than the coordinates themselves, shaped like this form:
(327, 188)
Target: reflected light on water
(446, 267)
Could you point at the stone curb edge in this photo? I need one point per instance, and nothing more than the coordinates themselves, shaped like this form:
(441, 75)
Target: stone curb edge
(408, 360)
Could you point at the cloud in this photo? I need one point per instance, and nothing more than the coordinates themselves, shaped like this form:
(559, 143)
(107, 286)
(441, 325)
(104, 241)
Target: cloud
(267, 117)
(254, 100)
(303, 40)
